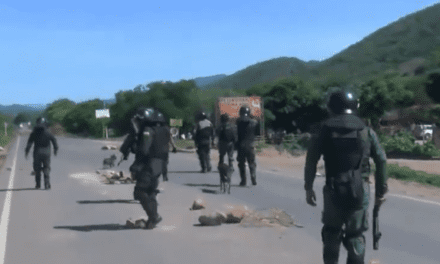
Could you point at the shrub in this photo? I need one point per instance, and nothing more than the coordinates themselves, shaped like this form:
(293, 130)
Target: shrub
(402, 142)
(297, 145)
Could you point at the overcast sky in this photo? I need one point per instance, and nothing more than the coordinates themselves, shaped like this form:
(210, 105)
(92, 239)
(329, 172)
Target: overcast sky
(92, 49)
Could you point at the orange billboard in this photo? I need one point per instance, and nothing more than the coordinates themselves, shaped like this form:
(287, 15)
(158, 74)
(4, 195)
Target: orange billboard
(231, 106)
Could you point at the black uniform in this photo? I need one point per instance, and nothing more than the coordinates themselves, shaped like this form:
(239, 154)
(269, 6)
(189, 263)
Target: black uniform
(226, 142)
(41, 139)
(203, 136)
(246, 129)
(151, 148)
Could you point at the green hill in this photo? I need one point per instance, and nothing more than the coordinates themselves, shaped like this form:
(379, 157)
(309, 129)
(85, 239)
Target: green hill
(396, 47)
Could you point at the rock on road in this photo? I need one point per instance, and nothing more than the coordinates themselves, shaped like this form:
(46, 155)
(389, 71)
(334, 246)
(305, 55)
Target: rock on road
(82, 220)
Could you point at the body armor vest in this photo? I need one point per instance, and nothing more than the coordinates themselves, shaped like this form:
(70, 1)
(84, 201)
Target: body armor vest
(160, 137)
(246, 129)
(226, 133)
(343, 155)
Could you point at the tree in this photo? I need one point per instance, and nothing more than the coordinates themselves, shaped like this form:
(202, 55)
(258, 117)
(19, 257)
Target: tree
(374, 101)
(21, 118)
(58, 109)
(81, 119)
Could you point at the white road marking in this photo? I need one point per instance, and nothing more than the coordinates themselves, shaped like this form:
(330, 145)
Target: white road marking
(388, 194)
(412, 198)
(7, 208)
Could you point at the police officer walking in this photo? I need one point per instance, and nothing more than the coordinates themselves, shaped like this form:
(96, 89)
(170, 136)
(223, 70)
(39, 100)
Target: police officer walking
(204, 134)
(41, 138)
(346, 144)
(226, 140)
(246, 130)
(149, 141)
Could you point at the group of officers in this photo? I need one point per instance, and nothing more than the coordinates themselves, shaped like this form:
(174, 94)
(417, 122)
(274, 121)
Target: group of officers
(344, 140)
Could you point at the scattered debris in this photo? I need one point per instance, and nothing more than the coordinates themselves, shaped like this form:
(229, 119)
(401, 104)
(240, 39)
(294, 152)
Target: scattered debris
(198, 204)
(273, 217)
(247, 218)
(109, 147)
(113, 177)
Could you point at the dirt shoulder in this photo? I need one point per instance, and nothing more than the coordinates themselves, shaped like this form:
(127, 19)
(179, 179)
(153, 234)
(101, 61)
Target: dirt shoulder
(270, 159)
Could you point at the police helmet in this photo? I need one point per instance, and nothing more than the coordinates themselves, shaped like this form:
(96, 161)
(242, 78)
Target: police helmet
(157, 117)
(224, 118)
(144, 114)
(41, 121)
(201, 116)
(245, 111)
(341, 102)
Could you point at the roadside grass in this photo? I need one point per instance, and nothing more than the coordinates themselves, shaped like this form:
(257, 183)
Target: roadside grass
(261, 145)
(5, 140)
(406, 174)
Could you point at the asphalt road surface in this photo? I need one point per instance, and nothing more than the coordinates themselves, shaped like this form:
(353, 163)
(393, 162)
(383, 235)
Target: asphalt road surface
(82, 220)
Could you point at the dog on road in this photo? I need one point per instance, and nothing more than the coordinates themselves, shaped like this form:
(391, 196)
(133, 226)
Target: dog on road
(109, 162)
(225, 177)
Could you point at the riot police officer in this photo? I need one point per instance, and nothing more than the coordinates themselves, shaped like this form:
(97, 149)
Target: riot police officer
(346, 144)
(204, 134)
(246, 129)
(41, 138)
(226, 140)
(148, 139)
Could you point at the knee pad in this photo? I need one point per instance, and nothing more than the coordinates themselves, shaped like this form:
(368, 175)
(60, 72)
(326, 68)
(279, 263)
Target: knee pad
(252, 167)
(355, 245)
(331, 234)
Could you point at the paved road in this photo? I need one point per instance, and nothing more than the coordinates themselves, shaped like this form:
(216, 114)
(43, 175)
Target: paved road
(81, 220)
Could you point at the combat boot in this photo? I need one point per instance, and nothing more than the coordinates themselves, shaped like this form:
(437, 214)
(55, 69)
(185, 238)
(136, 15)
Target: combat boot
(38, 180)
(254, 180)
(153, 222)
(242, 176)
(253, 176)
(46, 182)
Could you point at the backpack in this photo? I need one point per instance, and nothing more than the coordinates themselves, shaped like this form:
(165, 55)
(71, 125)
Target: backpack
(343, 159)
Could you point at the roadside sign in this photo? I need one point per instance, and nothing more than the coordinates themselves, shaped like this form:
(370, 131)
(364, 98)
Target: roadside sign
(101, 113)
(231, 106)
(176, 122)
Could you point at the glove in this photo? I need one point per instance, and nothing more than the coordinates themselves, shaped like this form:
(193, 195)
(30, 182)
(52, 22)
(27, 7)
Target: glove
(311, 197)
(55, 152)
(174, 150)
(26, 155)
(379, 200)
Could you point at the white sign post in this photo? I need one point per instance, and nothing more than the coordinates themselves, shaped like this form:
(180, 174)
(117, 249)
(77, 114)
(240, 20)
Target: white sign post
(6, 131)
(103, 113)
